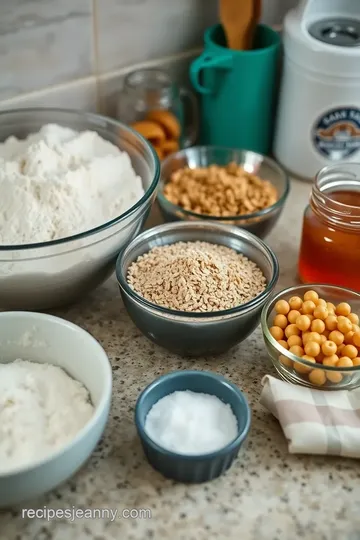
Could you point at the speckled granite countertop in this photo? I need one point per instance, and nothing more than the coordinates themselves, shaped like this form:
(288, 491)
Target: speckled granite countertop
(266, 495)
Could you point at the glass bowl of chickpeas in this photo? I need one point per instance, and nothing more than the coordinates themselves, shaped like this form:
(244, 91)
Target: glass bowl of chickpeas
(312, 335)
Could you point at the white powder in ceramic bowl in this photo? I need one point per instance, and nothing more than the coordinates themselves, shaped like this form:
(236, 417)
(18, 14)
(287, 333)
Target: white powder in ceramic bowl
(41, 410)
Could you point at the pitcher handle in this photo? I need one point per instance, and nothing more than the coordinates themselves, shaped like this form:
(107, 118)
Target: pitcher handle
(192, 131)
(207, 61)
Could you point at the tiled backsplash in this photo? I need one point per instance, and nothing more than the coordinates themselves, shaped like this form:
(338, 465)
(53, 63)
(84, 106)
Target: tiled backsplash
(44, 43)
(74, 52)
(133, 31)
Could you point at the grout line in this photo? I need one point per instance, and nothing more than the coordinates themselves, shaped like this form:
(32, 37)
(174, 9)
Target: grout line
(49, 89)
(54, 88)
(101, 78)
(150, 63)
(96, 53)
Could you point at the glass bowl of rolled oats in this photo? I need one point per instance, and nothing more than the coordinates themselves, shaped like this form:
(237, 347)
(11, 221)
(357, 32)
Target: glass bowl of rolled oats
(231, 186)
(196, 288)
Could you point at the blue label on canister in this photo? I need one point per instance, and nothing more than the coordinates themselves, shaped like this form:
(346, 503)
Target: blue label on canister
(336, 133)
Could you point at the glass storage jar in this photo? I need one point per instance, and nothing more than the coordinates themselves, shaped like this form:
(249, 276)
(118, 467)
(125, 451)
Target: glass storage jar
(330, 245)
(147, 90)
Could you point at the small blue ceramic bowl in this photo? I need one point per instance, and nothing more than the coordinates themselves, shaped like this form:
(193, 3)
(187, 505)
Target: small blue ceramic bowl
(198, 468)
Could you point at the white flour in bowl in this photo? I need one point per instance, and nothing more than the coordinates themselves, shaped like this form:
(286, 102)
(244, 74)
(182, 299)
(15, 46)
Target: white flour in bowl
(41, 409)
(59, 182)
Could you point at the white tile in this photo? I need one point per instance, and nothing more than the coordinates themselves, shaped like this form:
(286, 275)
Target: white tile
(43, 43)
(75, 95)
(132, 31)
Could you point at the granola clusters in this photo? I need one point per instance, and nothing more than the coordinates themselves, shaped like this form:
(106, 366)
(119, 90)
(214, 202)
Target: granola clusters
(220, 191)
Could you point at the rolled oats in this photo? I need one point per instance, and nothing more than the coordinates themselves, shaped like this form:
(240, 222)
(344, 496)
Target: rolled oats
(196, 277)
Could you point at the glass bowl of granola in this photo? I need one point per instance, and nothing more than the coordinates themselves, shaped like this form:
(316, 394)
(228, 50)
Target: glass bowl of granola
(226, 185)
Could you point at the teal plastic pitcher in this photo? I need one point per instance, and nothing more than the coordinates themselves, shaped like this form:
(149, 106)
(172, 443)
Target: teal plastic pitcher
(237, 90)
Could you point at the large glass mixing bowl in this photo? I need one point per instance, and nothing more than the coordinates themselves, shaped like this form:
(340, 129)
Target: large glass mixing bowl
(50, 274)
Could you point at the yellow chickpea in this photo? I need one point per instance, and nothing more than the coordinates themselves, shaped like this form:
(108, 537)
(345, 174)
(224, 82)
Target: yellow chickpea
(350, 351)
(317, 377)
(329, 348)
(355, 328)
(292, 330)
(343, 309)
(293, 315)
(312, 348)
(344, 361)
(317, 325)
(320, 312)
(330, 360)
(297, 350)
(331, 322)
(348, 338)
(321, 302)
(344, 324)
(283, 343)
(308, 307)
(326, 333)
(295, 302)
(323, 339)
(314, 336)
(301, 368)
(309, 358)
(330, 307)
(356, 339)
(311, 296)
(356, 361)
(281, 321)
(294, 340)
(310, 316)
(337, 337)
(282, 307)
(277, 332)
(354, 318)
(339, 350)
(303, 322)
(285, 361)
(334, 376)
(305, 337)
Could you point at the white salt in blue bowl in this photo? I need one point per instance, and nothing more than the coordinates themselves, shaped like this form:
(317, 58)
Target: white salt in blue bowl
(192, 468)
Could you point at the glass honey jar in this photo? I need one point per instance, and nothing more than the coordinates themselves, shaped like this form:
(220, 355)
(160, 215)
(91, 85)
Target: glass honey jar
(330, 245)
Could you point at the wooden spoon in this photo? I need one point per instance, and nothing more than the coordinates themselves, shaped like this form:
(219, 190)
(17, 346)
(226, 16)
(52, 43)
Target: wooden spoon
(239, 19)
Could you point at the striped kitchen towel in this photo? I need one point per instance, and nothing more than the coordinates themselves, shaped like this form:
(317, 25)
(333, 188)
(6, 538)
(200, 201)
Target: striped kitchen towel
(315, 421)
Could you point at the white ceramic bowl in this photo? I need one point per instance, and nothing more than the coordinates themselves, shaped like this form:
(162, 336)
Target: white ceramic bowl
(44, 338)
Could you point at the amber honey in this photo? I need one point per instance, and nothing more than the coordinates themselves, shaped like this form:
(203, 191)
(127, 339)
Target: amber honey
(330, 245)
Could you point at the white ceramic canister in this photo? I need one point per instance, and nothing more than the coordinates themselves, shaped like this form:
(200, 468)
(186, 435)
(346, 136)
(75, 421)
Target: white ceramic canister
(318, 119)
